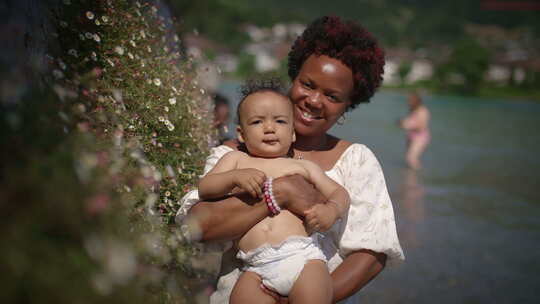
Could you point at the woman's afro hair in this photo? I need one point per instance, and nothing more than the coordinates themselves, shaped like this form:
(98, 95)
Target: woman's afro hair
(347, 42)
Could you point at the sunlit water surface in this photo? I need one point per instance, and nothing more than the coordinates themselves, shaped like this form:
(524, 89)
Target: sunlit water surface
(469, 221)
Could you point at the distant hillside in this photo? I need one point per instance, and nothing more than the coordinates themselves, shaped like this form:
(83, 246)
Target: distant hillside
(405, 23)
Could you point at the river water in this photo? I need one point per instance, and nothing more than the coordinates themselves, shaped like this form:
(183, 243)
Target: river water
(469, 221)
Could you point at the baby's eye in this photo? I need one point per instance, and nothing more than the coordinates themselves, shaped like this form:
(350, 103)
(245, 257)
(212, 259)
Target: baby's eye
(255, 122)
(282, 121)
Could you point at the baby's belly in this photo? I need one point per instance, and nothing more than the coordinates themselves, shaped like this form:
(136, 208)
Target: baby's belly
(272, 230)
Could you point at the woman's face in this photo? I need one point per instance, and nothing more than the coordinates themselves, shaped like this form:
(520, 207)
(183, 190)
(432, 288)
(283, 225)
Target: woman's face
(321, 93)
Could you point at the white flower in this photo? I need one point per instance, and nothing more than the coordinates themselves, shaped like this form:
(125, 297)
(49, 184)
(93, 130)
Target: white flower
(202, 91)
(165, 49)
(130, 55)
(166, 109)
(97, 22)
(119, 50)
(96, 38)
(89, 15)
(133, 44)
(93, 55)
(170, 126)
(143, 34)
(167, 193)
(172, 101)
(58, 74)
(161, 118)
(176, 38)
(157, 81)
(105, 18)
(73, 53)
(142, 64)
(149, 49)
(149, 81)
(110, 62)
(174, 89)
(62, 65)
(88, 35)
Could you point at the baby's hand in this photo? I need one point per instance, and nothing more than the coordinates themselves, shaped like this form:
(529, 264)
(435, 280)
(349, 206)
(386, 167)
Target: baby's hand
(320, 217)
(251, 180)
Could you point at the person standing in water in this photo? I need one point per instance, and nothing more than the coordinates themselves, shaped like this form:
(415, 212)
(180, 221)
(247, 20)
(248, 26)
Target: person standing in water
(416, 123)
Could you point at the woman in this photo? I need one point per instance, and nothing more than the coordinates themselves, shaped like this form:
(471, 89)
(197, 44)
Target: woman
(417, 126)
(334, 66)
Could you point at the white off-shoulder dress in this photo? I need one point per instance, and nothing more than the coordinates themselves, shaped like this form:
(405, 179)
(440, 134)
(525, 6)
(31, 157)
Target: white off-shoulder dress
(370, 223)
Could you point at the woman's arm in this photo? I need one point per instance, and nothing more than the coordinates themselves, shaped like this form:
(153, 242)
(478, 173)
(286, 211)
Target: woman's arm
(232, 217)
(358, 268)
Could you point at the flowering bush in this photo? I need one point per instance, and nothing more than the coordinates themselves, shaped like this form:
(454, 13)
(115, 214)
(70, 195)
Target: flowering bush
(97, 161)
(142, 82)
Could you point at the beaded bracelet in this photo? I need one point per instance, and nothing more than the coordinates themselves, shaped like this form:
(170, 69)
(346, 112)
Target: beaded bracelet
(269, 198)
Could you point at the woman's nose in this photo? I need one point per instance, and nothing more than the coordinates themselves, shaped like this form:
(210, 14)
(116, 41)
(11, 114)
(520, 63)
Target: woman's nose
(314, 100)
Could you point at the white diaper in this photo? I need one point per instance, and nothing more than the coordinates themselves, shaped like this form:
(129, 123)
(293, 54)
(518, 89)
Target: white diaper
(279, 266)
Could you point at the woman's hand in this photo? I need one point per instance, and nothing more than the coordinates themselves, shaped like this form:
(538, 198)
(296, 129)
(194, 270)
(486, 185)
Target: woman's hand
(296, 194)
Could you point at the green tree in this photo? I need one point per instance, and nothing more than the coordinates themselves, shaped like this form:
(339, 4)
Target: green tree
(465, 69)
(403, 70)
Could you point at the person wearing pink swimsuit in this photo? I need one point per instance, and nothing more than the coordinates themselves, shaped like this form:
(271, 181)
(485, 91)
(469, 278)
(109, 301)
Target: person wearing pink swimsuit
(416, 123)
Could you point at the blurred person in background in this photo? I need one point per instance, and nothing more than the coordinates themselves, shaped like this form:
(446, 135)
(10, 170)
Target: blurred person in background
(221, 117)
(416, 124)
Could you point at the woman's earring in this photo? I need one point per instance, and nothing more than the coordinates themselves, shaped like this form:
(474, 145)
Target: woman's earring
(342, 120)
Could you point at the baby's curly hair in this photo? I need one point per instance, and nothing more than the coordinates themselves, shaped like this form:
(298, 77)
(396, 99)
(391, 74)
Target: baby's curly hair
(259, 84)
(347, 42)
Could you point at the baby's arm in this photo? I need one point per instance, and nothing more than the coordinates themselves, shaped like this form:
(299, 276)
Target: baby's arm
(225, 176)
(322, 216)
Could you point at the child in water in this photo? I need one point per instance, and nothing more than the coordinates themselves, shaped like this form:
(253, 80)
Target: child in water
(277, 252)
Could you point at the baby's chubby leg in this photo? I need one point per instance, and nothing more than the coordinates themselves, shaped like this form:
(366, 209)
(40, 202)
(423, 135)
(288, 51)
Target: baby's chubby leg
(314, 285)
(247, 290)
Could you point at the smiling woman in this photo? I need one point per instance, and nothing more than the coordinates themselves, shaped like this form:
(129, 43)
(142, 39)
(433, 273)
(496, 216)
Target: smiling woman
(321, 93)
(334, 66)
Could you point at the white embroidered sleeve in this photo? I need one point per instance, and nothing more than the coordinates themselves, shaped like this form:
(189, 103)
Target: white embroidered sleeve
(370, 223)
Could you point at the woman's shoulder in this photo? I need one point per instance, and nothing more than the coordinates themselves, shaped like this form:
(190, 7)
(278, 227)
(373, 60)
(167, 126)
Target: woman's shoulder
(352, 152)
(344, 147)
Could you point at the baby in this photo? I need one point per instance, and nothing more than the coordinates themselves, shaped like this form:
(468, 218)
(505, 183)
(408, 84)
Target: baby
(277, 251)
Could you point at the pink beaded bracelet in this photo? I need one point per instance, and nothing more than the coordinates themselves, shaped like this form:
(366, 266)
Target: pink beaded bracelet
(269, 198)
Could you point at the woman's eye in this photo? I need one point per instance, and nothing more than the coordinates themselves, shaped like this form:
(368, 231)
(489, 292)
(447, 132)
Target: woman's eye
(307, 85)
(333, 98)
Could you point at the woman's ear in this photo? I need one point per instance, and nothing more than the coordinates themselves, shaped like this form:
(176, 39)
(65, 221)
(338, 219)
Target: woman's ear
(240, 134)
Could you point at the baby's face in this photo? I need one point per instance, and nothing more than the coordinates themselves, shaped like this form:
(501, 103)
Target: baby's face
(266, 124)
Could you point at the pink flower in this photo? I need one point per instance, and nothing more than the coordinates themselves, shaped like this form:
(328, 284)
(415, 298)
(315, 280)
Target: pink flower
(97, 204)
